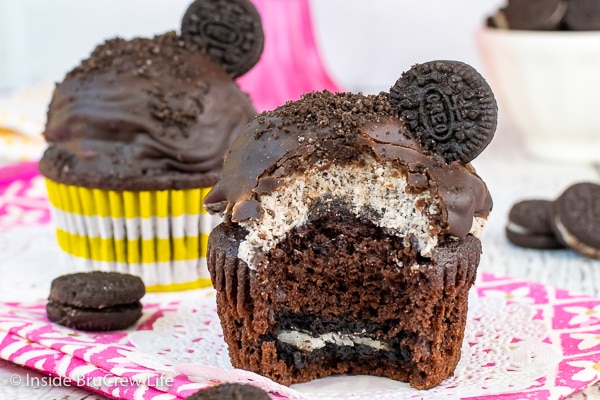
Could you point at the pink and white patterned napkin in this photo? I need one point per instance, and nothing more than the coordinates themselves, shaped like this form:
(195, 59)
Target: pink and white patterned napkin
(23, 199)
(106, 362)
(523, 340)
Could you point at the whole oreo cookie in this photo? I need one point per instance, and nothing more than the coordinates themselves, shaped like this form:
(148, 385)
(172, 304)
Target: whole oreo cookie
(531, 15)
(576, 218)
(449, 107)
(529, 225)
(95, 301)
(229, 30)
(583, 15)
(231, 391)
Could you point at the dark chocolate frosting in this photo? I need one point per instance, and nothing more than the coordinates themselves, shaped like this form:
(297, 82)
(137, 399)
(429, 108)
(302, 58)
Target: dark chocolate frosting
(143, 114)
(338, 128)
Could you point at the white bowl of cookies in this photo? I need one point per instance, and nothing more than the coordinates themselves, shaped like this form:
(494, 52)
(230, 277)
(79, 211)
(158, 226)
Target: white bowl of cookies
(543, 65)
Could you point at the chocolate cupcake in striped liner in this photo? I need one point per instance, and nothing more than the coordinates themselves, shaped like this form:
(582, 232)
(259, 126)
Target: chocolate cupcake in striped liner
(136, 138)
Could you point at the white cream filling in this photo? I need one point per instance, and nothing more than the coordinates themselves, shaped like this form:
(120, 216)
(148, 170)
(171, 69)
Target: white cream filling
(477, 227)
(365, 188)
(307, 342)
(573, 242)
(516, 228)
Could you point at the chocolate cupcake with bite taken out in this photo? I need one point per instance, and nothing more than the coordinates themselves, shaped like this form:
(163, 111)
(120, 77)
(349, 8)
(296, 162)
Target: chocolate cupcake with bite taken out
(351, 230)
(136, 137)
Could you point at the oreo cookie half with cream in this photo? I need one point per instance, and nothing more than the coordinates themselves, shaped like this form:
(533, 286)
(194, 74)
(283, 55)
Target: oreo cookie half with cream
(229, 30)
(449, 107)
(576, 218)
(529, 225)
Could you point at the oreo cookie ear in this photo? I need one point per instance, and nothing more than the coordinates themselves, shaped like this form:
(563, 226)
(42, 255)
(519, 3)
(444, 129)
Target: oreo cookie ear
(449, 108)
(229, 30)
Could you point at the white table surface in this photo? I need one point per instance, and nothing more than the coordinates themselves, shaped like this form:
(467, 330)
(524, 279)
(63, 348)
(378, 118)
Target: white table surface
(511, 176)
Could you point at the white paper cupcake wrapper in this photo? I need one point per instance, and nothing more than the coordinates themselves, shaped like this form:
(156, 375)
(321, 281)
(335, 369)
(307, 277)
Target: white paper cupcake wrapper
(160, 236)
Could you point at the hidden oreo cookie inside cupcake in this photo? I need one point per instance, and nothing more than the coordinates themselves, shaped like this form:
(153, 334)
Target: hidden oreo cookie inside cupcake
(95, 301)
(576, 218)
(529, 225)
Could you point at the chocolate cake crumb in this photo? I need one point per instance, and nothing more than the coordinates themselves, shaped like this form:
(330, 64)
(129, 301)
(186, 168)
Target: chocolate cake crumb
(337, 260)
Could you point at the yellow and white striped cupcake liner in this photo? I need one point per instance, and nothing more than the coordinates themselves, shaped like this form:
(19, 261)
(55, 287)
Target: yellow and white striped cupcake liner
(160, 236)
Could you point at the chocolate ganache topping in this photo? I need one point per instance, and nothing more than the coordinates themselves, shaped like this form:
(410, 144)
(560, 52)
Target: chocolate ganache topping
(143, 114)
(338, 128)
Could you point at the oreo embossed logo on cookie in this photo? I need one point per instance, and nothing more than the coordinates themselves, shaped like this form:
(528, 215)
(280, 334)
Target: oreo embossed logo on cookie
(229, 30)
(95, 301)
(449, 107)
(576, 218)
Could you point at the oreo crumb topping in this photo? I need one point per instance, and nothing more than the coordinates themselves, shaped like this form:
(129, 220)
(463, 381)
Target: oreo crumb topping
(343, 113)
(143, 58)
(137, 56)
(175, 119)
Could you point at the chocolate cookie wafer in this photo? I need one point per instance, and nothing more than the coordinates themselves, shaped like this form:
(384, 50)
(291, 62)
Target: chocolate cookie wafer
(529, 225)
(95, 301)
(583, 15)
(229, 30)
(449, 107)
(576, 218)
(531, 15)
